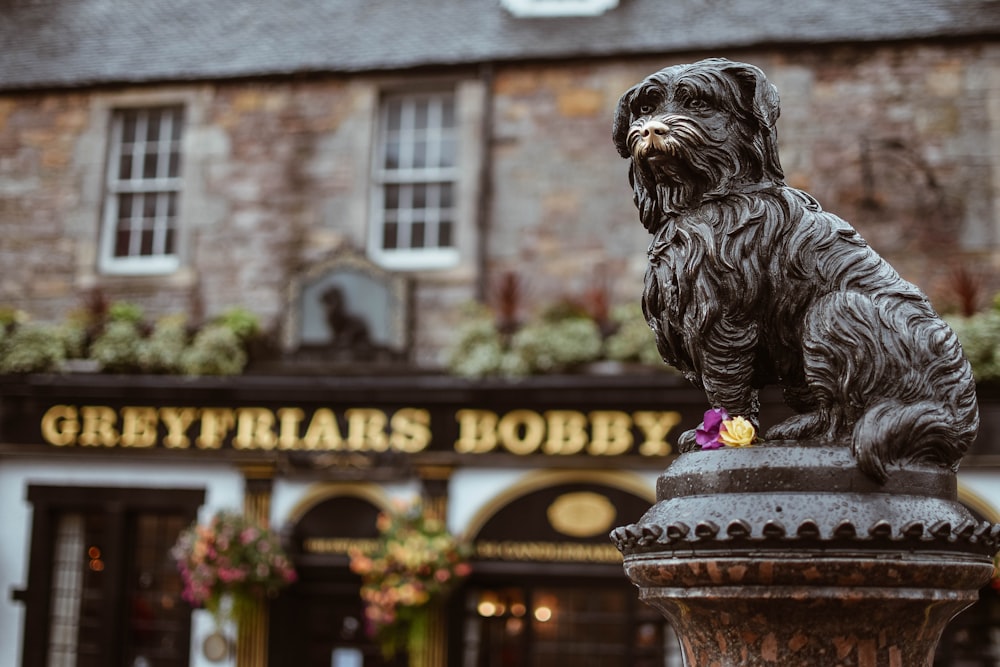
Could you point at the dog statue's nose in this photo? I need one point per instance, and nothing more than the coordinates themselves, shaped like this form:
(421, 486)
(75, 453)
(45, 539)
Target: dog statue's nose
(655, 127)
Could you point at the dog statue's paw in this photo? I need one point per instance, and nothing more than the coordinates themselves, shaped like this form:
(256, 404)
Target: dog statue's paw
(799, 427)
(687, 442)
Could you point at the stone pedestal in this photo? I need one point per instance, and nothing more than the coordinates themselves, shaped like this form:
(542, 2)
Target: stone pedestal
(786, 554)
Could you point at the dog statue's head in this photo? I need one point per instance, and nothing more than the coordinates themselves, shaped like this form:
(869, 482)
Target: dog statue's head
(696, 132)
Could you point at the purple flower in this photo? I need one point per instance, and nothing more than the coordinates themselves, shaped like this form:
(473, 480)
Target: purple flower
(707, 435)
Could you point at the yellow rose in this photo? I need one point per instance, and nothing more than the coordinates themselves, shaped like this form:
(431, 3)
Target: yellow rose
(737, 432)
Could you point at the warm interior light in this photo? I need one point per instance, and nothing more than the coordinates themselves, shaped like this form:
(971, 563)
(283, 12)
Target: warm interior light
(486, 608)
(543, 614)
(517, 609)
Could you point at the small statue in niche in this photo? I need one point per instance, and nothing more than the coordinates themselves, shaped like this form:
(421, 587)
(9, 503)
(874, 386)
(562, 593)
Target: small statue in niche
(347, 331)
(751, 283)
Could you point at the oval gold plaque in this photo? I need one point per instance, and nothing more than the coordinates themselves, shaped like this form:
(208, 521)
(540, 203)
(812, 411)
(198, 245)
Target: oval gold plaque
(581, 514)
(216, 647)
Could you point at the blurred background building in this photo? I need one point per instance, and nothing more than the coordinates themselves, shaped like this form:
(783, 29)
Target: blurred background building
(241, 247)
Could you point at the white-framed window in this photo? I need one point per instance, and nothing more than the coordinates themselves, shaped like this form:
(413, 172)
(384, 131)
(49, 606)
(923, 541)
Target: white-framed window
(554, 8)
(139, 234)
(415, 182)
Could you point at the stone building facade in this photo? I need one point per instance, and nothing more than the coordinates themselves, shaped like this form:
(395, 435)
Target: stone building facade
(901, 140)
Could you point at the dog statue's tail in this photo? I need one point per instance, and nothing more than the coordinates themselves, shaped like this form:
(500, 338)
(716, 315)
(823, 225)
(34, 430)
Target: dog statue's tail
(894, 373)
(932, 417)
(926, 432)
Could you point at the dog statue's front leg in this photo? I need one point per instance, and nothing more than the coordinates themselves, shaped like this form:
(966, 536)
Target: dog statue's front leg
(727, 373)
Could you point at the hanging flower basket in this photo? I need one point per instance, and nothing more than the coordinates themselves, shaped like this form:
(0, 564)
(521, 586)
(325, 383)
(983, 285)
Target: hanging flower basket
(415, 565)
(230, 557)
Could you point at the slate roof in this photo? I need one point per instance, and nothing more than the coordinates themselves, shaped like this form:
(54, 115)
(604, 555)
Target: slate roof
(45, 43)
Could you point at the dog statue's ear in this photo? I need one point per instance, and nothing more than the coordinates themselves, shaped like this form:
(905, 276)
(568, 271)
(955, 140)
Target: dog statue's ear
(623, 120)
(760, 91)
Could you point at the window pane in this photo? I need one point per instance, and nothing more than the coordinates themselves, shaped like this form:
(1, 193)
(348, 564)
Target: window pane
(67, 590)
(153, 126)
(125, 167)
(149, 205)
(174, 165)
(420, 114)
(124, 206)
(122, 237)
(146, 241)
(149, 165)
(448, 151)
(445, 194)
(393, 114)
(419, 154)
(169, 247)
(419, 195)
(392, 154)
(391, 197)
(157, 616)
(417, 233)
(447, 112)
(128, 126)
(175, 128)
(444, 234)
(389, 235)
(91, 559)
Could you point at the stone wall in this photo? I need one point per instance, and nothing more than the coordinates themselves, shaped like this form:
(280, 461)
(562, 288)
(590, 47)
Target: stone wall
(902, 141)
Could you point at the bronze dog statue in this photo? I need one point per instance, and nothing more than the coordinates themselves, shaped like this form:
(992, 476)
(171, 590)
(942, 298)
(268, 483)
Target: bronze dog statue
(751, 283)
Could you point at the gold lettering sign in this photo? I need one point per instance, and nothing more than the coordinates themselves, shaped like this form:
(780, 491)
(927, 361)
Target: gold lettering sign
(359, 429)
(564, 552)
(246, 428)
(338, 545)
(563, 432)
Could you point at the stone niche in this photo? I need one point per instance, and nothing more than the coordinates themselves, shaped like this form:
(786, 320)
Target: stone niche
(347, 311)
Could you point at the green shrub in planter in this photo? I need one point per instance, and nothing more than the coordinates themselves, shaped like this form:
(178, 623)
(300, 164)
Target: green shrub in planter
(980, 338)
(31, 348)
(116, 349)
(242, 322)
(632, 340)
(557, 345)
(74, 337)
(479, 350)
(163, 350)
(215, 350)
(123, 311)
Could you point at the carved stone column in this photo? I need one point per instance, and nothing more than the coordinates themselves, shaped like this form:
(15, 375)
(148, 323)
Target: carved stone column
(786, 554)
(251, 637)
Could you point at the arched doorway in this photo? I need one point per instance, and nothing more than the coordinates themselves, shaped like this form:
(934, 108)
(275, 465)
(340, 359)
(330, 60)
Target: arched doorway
(548, 586)
(319, 620)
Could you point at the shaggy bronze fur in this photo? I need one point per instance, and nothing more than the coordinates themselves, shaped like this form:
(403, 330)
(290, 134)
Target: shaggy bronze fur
(751, 283)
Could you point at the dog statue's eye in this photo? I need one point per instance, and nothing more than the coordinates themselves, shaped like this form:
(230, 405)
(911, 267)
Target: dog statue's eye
(646, 102)
(696, 104)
